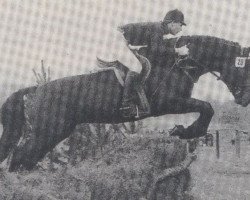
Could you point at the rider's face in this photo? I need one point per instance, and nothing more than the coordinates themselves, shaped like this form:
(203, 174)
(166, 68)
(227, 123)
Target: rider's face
(175, 27)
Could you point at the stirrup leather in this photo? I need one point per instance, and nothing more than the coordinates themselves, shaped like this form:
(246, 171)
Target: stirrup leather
(143, 99)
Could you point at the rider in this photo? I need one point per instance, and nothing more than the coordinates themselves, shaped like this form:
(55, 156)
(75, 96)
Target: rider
(150, 34)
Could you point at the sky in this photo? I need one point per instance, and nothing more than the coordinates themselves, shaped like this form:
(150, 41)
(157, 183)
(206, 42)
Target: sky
(68, 34)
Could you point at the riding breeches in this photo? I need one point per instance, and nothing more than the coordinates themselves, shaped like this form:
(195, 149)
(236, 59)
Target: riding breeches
(118, 50)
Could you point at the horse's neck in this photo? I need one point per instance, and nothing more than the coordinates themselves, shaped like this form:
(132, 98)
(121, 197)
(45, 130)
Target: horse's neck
(164, 83)
(155, 79)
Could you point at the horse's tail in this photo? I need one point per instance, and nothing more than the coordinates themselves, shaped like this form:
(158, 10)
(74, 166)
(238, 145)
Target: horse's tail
(12, 119)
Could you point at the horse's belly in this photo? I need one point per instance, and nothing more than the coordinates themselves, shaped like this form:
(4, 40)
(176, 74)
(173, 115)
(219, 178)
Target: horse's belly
(85, 98)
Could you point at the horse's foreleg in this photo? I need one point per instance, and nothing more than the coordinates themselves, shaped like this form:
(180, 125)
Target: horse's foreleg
(182, 106)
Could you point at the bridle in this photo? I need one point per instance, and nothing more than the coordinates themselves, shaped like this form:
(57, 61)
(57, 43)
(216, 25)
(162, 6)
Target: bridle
(177, 61)
(235, 90)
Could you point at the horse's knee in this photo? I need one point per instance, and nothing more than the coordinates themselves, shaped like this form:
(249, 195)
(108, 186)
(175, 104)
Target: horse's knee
(208, 109)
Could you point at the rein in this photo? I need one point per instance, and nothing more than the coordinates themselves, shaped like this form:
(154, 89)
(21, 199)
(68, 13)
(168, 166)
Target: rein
(166, 74)
(217, 76)
(179, 59)
(233, 89)
(236, 90)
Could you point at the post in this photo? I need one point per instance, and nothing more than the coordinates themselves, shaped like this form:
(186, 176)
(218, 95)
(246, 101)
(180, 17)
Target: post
(237, 143)
(217, 144)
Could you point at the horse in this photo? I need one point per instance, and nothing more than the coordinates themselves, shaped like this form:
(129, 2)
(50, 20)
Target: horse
(58, 106)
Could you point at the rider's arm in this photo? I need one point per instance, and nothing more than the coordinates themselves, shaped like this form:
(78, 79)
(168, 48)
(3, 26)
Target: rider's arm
(158, 47)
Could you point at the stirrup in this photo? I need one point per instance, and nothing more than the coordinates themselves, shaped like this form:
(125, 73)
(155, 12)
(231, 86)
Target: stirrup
(131, 114)
(129, 111)
(137, 112)
(143, 113)
(125, 108)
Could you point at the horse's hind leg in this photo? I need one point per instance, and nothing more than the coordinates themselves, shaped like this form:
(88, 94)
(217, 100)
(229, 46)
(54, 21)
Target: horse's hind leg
(12, 120)
(8, 141)
(27, 155)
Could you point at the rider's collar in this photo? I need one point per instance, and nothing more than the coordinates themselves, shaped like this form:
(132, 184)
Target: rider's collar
(169, 36)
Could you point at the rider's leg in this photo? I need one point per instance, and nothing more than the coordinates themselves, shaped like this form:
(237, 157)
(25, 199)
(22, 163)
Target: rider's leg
(132, 83)
(119, 50)
(128, 106)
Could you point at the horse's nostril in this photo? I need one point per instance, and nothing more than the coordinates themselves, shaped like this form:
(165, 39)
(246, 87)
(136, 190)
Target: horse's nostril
(244, 104)
(245, 99)
(238, 101)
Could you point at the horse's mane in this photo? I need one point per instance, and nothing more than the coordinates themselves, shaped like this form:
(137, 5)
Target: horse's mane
(210, 39)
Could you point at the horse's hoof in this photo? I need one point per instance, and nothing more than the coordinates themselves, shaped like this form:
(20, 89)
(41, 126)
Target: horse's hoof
(193, 156)
(178, 130)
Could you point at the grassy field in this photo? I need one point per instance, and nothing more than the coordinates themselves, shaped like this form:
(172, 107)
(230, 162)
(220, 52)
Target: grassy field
(226, 178)
(125, 170)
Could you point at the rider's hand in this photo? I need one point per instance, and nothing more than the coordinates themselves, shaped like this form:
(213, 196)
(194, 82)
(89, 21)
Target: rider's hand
(182, 51)
(134, 49)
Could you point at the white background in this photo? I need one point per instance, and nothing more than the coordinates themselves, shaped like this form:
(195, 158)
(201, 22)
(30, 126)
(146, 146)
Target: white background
(69, 34)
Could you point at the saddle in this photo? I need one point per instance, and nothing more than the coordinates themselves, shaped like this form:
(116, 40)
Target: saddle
(121, 71)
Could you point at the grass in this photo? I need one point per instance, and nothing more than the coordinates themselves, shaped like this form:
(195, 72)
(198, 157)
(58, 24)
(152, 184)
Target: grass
(125, 172)
(226, 178)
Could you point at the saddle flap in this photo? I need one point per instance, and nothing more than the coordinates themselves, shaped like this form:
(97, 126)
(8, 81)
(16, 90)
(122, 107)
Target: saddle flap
(119, 69)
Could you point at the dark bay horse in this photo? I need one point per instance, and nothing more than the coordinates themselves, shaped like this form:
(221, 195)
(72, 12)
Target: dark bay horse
(58, 106)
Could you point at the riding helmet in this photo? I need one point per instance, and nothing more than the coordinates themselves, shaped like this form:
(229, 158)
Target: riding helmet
(174, 16)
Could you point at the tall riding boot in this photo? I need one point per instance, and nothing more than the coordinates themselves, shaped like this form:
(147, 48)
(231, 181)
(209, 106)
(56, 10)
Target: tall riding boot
(128, 106)
(132, 89)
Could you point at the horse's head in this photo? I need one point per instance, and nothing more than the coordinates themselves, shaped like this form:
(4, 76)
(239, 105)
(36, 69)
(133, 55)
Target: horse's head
(213, 54)
(242, 96)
